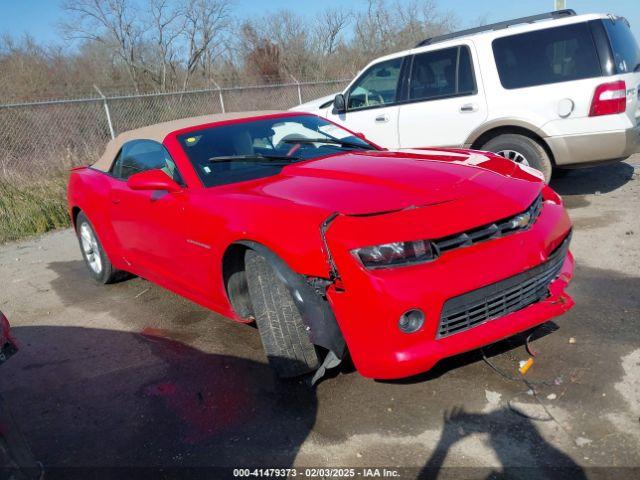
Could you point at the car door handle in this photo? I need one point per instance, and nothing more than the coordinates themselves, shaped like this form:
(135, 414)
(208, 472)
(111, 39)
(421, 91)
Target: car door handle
(469, 108)
(115, 201)
(382, 118)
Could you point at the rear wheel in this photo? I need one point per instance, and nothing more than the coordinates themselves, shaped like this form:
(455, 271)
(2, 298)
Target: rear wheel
(523, 150)
(95, 257)
(283, 333)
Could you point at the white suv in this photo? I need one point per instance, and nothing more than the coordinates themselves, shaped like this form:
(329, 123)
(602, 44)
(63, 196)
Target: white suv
(552, 90)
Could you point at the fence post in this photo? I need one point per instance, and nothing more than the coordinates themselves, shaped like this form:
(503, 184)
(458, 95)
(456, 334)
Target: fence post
(219, 95)
(299, 89)
(106, 111)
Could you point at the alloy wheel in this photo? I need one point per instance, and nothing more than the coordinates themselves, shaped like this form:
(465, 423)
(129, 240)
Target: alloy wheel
(90, 248)
(514, 156)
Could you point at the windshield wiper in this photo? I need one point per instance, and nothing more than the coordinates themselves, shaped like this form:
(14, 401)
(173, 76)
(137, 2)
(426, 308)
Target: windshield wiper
(258, 158)
(334, 141)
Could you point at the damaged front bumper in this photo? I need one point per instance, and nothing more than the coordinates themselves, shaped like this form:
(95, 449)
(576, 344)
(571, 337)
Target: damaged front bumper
(368, 303)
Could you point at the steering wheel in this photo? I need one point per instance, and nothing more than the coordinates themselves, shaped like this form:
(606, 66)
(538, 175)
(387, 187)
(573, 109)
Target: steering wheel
(375, 95)
(293, 147)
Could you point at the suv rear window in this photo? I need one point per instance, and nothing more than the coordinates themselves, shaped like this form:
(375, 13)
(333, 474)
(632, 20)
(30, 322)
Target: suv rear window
(626, 53)
(552, 55)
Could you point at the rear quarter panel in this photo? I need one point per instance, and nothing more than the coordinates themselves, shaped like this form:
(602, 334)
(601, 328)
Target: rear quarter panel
(88, 190)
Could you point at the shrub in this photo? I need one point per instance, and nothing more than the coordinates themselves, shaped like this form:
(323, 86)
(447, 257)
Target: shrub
(31, 208)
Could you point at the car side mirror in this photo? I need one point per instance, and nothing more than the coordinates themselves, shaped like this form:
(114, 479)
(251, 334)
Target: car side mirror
(361, 136)
(339, 103)
(153, 180)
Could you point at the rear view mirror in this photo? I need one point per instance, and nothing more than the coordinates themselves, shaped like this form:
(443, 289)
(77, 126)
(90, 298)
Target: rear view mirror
(339, 103)
(153, 180)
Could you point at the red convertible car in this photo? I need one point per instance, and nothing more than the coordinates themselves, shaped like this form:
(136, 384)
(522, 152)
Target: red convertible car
(327, 241)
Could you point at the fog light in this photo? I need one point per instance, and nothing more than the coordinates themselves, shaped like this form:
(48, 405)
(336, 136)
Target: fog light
(411, 321)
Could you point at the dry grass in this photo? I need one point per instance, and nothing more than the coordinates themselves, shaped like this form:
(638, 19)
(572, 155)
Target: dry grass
(31, 208)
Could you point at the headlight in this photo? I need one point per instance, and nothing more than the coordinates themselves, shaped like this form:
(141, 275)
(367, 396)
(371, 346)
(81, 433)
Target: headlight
(396, 253)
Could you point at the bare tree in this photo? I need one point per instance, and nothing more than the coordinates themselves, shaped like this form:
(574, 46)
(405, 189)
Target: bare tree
(111, 22)
(167, 25)
(329, 27)
(206, 24)
(384, 27)
(261, 55)
(163, 44)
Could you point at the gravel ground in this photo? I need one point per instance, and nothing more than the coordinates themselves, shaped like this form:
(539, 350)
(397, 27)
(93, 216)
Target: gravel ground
(132, 375)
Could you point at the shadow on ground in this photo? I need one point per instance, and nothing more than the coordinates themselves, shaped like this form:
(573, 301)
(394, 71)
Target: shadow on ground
(497, 425)
(124, 405)
(584, 181)
(186, 389)
(129, 400)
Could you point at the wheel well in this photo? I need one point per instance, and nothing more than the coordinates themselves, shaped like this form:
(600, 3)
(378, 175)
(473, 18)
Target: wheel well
(235, 279)
(493, 133)
(74, 215)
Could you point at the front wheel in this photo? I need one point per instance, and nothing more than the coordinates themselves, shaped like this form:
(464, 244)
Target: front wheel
(283, 333)
(523, 150)
(95, 257)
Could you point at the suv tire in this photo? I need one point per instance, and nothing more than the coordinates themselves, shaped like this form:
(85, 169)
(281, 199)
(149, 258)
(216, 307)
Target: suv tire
(283, 333)
(521, 149)
(95, 258)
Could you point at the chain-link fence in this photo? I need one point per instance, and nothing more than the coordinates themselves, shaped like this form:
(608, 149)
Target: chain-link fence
(39, 136)
(40, 141)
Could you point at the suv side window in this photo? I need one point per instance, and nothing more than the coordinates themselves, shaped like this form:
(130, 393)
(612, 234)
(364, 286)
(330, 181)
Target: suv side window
(141, 155)
(552, 55)
(441, 73)
(377, 86)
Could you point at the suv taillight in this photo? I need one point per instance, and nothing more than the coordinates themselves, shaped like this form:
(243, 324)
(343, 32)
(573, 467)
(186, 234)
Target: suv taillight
(609, 98)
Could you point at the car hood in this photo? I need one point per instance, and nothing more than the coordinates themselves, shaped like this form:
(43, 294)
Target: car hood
(366, 183)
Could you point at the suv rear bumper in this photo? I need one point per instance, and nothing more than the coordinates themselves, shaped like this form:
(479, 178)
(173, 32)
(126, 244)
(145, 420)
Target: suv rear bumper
(576, 150)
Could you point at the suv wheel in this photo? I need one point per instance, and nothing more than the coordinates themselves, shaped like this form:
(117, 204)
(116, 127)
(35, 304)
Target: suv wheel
(283, 333)
(521, 149)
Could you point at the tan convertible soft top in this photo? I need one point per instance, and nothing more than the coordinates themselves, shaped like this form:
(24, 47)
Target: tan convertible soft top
(159, 131)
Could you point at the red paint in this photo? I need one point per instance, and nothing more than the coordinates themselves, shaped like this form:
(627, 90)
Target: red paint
(208, 394)
(5, 333)
(178, 240)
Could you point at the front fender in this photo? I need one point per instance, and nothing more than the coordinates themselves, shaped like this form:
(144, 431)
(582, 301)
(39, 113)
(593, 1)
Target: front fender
(315, 309)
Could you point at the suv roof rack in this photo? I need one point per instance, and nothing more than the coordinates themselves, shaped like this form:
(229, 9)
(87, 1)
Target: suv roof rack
(497, 26)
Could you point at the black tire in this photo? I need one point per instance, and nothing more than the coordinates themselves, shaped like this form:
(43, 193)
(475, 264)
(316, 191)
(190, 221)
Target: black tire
(532, 151)
(283, 333)
(107, 273)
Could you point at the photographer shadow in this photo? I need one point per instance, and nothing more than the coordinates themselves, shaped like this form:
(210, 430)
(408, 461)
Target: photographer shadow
(520, 449)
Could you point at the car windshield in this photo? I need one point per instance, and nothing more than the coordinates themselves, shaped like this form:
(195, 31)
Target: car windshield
(260, 148)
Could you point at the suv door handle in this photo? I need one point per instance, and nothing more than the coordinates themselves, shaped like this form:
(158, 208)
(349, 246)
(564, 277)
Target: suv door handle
(469, 108)
(382, 118)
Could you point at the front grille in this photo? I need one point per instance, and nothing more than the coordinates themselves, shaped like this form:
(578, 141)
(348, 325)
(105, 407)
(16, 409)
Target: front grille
(493, 230)
(506, 296)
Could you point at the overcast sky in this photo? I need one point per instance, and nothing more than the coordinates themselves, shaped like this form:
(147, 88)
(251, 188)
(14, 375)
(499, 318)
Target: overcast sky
(39, 18)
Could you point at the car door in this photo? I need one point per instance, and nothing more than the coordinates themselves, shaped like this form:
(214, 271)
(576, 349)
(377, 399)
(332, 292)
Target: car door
(150, 226)
(372, 103)
(445, 102)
